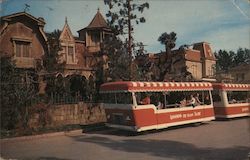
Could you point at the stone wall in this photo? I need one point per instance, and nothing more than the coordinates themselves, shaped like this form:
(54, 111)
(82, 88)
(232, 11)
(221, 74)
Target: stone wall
(68, 114)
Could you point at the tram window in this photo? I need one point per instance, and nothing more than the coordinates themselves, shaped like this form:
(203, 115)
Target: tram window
(156, 98)
(141, 96)
(124, 98)
(183, 99)
(237, 96)
(174, 99)
(108, 98)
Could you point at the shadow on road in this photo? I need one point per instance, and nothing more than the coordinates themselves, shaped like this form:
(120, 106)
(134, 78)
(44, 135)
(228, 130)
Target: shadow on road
(111, 131)
(169, 149)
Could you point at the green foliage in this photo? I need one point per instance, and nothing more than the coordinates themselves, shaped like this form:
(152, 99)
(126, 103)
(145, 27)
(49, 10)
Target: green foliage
(51, 59)
(121, 17)
(118, 61)
(19, 92)
(53, 65)
(241, 56)
(165, 61)
(224, 59)
(168, 40)
(118, 17)
(229, 59)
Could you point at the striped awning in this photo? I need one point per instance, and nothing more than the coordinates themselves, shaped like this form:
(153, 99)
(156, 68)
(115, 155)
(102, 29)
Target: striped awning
(129, 86)
(231, 86)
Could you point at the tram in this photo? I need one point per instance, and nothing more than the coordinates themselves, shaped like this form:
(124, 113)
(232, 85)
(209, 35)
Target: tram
(140, 106)
(231, 100)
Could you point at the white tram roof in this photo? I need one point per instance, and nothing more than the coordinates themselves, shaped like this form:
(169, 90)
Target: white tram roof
(130, 86)
(231, 86)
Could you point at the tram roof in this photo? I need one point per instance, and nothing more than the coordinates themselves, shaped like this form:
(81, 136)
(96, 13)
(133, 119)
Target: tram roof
(231, 86)
(154, 86)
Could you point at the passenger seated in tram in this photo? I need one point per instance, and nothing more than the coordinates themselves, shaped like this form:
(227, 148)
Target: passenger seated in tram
(197, 101)
(207, 100)
(233, 100)
(156, 100)
(145, 100)
(192, 101)
(183, 103)
(159, 105)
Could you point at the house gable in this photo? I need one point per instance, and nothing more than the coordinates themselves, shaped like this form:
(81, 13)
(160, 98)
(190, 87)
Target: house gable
(66, 34)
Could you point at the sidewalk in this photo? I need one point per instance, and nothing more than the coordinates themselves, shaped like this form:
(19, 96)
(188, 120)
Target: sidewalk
(46, 135)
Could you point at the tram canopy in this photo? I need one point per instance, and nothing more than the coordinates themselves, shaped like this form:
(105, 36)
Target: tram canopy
(130, 86)
(231, 87)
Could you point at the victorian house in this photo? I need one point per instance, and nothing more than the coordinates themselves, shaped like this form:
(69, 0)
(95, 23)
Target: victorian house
(196, 63)
(23, 38)
(197, 59)
(81, 54)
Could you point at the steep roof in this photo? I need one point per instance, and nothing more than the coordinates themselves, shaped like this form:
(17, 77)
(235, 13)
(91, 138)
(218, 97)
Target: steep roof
(193, 55)
(98, 21)
(66, 33)
(39, 20)
(205, 50)
(5, 20)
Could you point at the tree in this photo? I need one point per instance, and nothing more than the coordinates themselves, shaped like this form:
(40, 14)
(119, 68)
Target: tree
(229, 59)
(169, 41)
(53, 64)
(117, 62)
(18, 94)
(224, 60)
(165, 61)
(241, 56)
(51, 58)
(121, 17)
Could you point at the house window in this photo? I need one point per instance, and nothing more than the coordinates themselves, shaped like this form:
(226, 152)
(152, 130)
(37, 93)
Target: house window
(64, 49)
(22, 49)
(95, 38)
(70, 54)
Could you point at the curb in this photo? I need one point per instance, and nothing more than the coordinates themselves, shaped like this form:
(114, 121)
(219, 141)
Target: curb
(46, 135)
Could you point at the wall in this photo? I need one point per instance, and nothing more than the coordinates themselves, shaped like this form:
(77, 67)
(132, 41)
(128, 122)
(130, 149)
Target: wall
(69, 114)
(209, 68)
(195, 68)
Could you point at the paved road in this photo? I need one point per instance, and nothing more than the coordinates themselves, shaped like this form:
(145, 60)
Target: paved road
(217, 140)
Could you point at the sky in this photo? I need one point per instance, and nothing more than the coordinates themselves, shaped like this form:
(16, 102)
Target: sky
(225, 24)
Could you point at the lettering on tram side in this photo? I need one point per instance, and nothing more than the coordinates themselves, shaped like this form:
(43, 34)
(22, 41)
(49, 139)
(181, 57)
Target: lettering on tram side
(245, 109)
(184, 115)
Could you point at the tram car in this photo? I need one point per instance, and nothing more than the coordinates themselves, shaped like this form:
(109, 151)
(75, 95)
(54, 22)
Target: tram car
(231, 100)
(140, 106)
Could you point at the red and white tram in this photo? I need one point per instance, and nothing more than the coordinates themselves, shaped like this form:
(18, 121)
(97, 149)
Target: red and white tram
(231, 100)
(140, 106)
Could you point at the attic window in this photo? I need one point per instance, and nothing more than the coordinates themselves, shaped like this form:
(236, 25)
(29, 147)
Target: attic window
(22, 49)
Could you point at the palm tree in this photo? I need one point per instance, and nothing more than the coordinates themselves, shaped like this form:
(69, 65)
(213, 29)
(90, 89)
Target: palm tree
(169, 41)
(165, 64)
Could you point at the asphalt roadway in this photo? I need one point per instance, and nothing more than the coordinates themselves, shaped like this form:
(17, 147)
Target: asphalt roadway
(216, 140)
